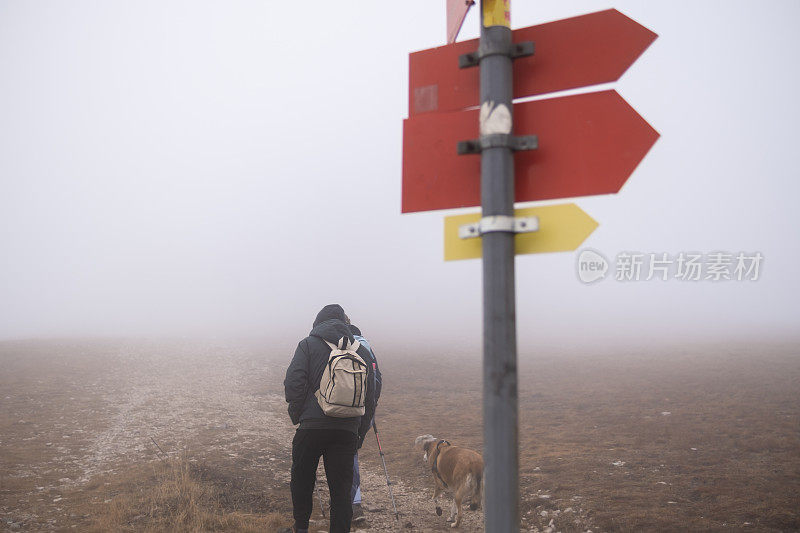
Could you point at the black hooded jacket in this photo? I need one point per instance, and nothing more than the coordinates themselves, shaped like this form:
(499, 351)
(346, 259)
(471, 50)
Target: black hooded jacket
(305, 371)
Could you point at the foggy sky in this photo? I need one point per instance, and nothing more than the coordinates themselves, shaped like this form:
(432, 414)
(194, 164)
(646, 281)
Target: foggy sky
(227, 168)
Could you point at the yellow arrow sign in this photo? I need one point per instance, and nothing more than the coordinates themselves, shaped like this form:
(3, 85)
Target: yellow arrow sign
(562, 228)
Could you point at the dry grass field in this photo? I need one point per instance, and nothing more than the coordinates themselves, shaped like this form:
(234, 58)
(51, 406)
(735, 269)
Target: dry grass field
(102, 435)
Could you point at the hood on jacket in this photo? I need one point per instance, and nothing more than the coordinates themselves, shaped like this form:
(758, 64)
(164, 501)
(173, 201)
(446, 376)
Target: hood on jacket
(331, 324)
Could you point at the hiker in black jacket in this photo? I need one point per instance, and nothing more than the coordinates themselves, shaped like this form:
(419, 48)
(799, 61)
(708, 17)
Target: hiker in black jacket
(335, 439)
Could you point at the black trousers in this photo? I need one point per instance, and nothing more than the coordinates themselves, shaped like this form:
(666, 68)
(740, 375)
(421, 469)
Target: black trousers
(337, 448)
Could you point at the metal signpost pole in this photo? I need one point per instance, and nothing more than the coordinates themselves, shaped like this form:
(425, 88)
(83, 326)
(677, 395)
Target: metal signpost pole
(499, 319)
(595, 155)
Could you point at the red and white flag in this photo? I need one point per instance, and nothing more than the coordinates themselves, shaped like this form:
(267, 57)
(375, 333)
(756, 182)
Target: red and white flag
(456, 13)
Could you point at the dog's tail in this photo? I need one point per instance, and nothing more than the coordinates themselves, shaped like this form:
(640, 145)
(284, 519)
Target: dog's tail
(477, 490)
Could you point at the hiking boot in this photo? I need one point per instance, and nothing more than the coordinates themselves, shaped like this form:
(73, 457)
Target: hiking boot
(358, 514)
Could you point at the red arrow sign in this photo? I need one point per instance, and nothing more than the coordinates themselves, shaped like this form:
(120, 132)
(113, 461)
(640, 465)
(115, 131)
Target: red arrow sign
(588, 144)
(570, 53)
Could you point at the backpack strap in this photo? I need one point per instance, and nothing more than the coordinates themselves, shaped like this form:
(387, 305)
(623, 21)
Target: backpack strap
(345, 347)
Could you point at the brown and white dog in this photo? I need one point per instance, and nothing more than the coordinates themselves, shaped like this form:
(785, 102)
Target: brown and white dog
(454, 469)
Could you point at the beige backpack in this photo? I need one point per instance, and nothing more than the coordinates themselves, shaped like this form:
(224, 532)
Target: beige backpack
(343, 387)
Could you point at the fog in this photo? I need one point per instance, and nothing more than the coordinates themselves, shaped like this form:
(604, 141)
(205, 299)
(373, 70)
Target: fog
(225, 169)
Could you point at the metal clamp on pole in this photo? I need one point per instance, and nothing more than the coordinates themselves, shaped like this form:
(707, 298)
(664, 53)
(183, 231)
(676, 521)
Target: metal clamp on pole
(515, 143)
(499, 223)
(516, 50)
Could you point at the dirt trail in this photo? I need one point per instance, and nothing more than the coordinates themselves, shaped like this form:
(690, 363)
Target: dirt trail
(414, 505)
(178, 393)
(706, 440)
(212, 403)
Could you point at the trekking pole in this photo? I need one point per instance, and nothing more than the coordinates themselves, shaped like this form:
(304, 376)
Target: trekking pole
(159, 448)
(383, 460)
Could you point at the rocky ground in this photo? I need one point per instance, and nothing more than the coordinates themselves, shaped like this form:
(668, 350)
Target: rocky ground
(605, 446)
(76, 414)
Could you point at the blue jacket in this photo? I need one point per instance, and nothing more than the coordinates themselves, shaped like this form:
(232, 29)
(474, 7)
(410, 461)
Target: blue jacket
(378, 377)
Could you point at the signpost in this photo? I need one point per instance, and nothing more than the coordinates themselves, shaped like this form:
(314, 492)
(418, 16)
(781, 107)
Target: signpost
(500, 448)
(561, 228)
(589, 144)
(585, 144)
(570, 53)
